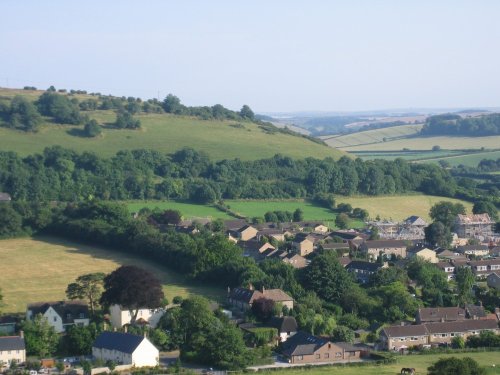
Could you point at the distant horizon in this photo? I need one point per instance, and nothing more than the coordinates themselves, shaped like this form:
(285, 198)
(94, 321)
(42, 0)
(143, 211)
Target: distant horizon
(279, 56)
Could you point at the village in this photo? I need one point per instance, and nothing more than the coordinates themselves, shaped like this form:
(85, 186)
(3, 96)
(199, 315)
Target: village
(475, 246)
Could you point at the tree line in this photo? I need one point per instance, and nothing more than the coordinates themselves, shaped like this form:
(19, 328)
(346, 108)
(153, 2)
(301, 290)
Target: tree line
(452, 124)
(60, 174)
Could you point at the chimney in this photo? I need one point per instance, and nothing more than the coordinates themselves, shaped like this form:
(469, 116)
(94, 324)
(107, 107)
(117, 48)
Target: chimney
(125, 328)
(263, 290)
(145, 334)
(250, 286)
(104, 326)
(21, 334)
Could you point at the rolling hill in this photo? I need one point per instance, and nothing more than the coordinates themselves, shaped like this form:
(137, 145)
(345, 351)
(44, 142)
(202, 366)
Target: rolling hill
(163, 132)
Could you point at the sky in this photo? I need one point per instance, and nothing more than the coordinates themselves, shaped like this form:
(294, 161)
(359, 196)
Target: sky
(275, 56)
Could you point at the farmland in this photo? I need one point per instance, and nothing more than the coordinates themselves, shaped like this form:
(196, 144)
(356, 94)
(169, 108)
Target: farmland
(166, 133)
(419, 362)
(39, 269)
(399, 207)
(188, 210)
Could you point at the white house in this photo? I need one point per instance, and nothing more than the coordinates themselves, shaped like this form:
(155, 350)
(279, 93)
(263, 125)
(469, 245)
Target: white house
(120, 316)
(60, 314)
(12, 349)
(126, 349)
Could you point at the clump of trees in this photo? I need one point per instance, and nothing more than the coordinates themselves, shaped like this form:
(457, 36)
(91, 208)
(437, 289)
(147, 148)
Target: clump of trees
(21, 114)
(125, 120)
(452, 124)
(60, 108)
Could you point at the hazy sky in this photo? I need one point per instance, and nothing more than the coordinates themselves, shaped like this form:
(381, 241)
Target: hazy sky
(272, 55)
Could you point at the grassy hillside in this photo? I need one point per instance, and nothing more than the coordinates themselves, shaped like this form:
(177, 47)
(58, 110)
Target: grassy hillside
(166, 133)
(490, 360)
(187, 209)
(39, 269)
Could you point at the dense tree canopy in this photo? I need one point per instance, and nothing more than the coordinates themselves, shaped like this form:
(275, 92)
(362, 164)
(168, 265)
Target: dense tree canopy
(133, 288)
(451, 124)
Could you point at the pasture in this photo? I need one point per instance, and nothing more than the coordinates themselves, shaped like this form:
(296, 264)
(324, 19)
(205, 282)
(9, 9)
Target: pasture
(312, 211)
(166, 133)
(469, 160)
(419, 362)
(187, 209)
(39, 269)
(399, 207)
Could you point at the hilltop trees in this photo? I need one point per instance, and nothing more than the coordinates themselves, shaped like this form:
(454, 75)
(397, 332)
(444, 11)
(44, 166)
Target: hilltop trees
(247, 113)
(62, 109)
(133, 288)
(446, 212)
(485, 207)
(125, 120)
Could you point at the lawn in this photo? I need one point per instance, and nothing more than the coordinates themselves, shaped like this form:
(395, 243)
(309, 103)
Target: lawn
(188, 210)
(252, 208)
(399, 207)
(419, 362)
(39, 269)
(166, 133)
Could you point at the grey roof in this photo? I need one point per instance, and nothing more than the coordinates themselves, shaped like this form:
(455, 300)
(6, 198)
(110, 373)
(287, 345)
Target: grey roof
(11, 343)
(4, 197)
(403, 331)
(302, 343)
(284, 324)
(67, 310)
(437, 314)
(122, 342)
(378, 244)
(475, 311)
(461, 326)
(461, 249)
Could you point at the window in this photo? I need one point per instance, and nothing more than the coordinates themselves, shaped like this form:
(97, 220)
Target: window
(300, 358)
(338, 354)
(82, 315)
(55, 318)
(318, 356)
(327, 355)
(68, 316)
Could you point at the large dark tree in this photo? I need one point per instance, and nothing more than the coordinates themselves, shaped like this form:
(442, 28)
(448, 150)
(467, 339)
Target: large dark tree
(263, 308)
(438, 234)
(133, 288)
(446, 212)
(485, 207)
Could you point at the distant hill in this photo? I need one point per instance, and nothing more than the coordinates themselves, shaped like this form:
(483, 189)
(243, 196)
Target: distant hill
(220, 139)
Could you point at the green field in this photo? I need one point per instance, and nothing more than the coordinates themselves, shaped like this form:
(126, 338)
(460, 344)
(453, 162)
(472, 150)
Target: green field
(39, 269)
(407, 155)
(370, 137)
(399, 207)
(166, 133)
(471, 160)
(188, 210)
(419, 362)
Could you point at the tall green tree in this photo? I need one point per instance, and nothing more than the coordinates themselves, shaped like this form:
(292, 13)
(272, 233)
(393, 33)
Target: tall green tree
(438, 234)
(40, 337)
(89, 286)
(465, 281)
(454, 366)
(485, 207)
(327, 277)
(446, 212)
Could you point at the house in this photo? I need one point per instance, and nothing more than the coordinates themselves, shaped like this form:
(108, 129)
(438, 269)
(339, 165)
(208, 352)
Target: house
(385, 247)
(120, 316)
(303, 348)
(493, 280)
(126, 349)
(403, 337)
(234, 224)
(440, 314)
(443, 333)
(295, 260)
(482, 268)
(476, 250)
(312, 226)
(348, 235)
(364, 270)
(60, 314)
(243, 298)
(303, 244)
(450, 255)
(12, 349)
(475, 312)
(447, 267)
(246, 233)
(286, 326)
(4, 197)
(256, 249)
(474, 226)
(425, 254)
(415, 221)
(277, 234)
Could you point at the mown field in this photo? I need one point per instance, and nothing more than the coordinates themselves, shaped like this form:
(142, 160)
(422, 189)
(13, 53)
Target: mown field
(39, 269)
(166, 133)
(399, 207)
(419, 362)
(470, 160)
(188, 210)
(370, 137)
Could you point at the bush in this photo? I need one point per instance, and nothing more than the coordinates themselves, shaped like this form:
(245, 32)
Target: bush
(92, 129)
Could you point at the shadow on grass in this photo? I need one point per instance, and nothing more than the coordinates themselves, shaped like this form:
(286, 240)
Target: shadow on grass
(166, 275)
